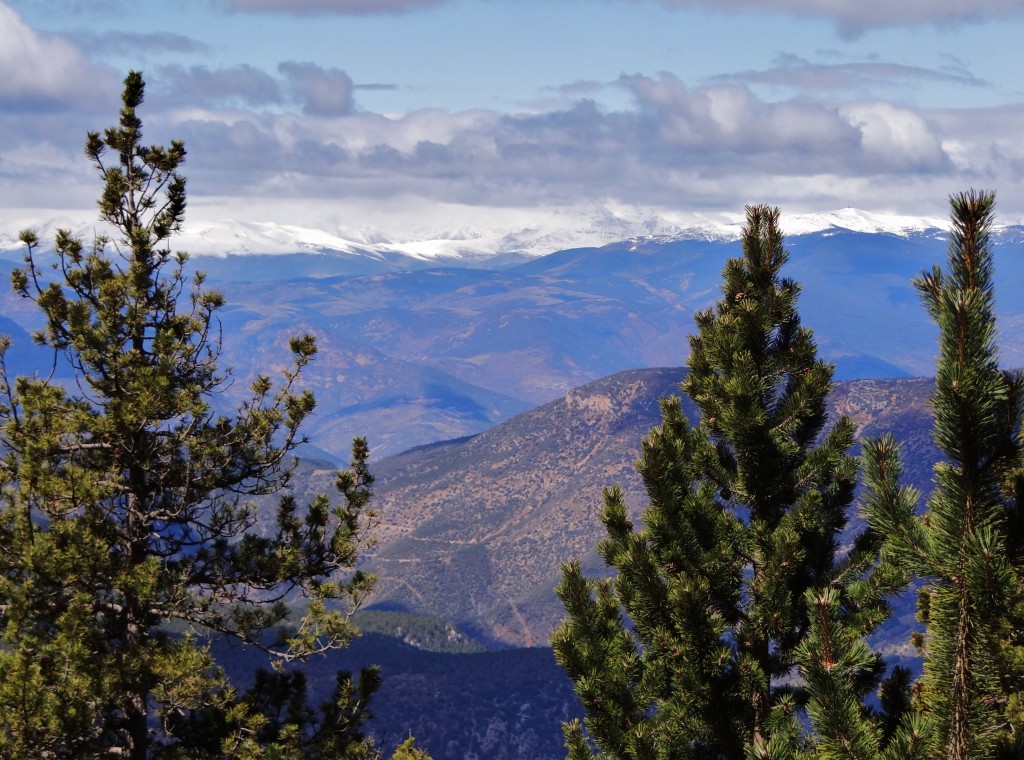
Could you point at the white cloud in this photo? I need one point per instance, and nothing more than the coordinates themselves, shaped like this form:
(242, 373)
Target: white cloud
(985, 146)
(199, 85)
(728, 125)
(42, 70)
(710, 148)
(897, 138)
(702, 147)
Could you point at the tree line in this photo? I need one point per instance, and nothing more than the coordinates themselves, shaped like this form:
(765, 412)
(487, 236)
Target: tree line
(732, 623)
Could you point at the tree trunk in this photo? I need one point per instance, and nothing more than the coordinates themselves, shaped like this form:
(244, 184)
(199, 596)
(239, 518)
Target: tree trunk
(960, 699)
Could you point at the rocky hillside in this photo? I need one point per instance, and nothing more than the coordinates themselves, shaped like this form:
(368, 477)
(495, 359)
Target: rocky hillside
(474, 530)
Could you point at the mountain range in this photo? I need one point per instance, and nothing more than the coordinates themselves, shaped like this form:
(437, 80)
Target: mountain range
(500, 393)
(475, 530)
(487, 241)
(414, 350)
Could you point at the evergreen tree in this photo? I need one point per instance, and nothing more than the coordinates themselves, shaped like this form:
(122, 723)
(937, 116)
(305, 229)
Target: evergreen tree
(689, 649)
(126, 511)
(968, 545)
(834, 658)
(972, 529)
(274, 719)
(408, 750)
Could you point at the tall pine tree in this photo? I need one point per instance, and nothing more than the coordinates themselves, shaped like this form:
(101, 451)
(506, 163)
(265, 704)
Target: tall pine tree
(978, 410)
(689, 649)
(126, 499)
(967, 547)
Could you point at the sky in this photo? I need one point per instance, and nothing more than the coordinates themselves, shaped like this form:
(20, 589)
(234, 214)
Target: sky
(378, 119)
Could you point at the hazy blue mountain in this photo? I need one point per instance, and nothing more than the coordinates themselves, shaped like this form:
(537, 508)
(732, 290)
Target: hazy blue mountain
(25, 357)
(500, 705)
(416, 349)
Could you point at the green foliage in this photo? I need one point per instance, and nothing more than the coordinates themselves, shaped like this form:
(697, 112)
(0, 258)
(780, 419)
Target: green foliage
(407, 750)
(689, 649)
(978, 411)
(125, 497)
(968, 546)
(838, 668)
(274, 720)
(421, 631)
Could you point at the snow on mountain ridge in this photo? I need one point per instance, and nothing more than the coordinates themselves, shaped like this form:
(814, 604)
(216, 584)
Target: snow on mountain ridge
(540, 233)
(856, 220)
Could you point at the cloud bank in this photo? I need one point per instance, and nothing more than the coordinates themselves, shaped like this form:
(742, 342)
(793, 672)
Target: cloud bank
(714, 147)
(298, 134)
(295, 136)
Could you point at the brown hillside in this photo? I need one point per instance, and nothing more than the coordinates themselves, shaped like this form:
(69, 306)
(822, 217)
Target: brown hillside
(475, 530)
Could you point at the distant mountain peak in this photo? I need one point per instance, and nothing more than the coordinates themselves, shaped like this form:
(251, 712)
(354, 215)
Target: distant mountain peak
(856, 220)
(529, 233)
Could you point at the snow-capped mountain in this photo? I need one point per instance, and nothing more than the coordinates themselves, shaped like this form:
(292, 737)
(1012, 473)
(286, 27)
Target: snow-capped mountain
(440, 334)
(538, 236)
(537, 233)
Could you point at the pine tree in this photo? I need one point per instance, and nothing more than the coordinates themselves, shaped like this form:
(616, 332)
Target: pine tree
(274, 720)
(689, 649)
(127, 514)
(972, 528)
(408, 750)
(834, 658)
(968, 545)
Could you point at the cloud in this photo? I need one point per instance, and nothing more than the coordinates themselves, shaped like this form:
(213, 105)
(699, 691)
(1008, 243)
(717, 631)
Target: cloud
(135, 43)
(45, 71)
(294, 135)
(715, 146)
(850, 77)
(318, 91)
(727, 124)
(200, 86)
(985, 146)
(897, 138)
(341, 7)
(321, 91)
(852, 18)
(855, 18)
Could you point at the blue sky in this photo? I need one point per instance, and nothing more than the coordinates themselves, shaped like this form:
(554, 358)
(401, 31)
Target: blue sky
(389, 115)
